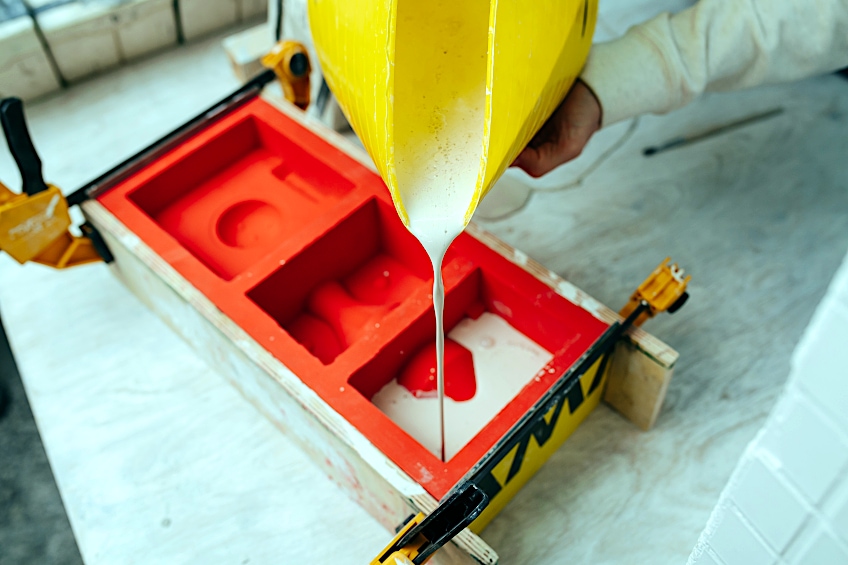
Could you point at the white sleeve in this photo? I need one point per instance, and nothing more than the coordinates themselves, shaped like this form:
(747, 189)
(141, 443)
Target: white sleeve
(667, 62)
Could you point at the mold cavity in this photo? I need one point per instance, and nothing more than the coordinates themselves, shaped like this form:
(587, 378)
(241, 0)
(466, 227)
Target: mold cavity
(231, 200)
(480, 380)
(489, 359)
(249, 223)
(344, 287)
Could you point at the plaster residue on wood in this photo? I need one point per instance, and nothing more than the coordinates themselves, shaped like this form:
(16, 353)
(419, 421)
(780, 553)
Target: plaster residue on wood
(505, 360)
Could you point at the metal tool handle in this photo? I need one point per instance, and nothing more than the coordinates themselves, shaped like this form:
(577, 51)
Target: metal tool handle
(20, 145)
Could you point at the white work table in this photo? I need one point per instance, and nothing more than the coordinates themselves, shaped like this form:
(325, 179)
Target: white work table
(159, 460)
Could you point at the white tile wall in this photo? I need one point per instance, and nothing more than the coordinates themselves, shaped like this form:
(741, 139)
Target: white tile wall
(820, 547)
(780, 519)
(787, 501)
(707, 559)
(735, 543)
(821, 359)
(802, 441)
(838, 514)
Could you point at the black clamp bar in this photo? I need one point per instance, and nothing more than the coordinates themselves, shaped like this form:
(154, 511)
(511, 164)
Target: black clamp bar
(453, 515)
(472, 495)
(20, 145)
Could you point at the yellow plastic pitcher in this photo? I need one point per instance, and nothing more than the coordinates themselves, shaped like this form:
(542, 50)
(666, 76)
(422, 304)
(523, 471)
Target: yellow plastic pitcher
(424, 81)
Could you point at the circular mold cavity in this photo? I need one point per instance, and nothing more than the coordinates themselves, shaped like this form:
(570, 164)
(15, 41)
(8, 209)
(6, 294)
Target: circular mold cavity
(250, 223)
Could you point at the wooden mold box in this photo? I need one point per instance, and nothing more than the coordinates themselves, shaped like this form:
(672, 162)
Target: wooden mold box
(228, 234)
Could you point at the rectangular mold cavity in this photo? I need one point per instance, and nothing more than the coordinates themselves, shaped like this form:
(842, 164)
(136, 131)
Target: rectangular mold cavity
(345, 286)
(494, 304)
(233, 199)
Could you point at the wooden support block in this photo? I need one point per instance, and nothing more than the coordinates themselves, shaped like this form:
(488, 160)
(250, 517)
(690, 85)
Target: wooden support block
(246, 48)
(25, 69)
(638, 380)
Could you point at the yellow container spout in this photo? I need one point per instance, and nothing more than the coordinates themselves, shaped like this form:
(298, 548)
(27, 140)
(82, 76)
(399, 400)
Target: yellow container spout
(446, 84)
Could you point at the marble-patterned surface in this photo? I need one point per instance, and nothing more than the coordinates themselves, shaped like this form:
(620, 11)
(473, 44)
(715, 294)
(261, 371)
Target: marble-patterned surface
(159, 461)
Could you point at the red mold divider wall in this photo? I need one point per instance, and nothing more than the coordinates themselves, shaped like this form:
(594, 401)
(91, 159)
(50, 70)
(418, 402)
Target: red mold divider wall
(299, 244)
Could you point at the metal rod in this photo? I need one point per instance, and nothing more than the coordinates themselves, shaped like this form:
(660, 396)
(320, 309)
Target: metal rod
(688, 140)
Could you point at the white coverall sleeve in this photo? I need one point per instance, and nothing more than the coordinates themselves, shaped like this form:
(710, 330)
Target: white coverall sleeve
(716, 45)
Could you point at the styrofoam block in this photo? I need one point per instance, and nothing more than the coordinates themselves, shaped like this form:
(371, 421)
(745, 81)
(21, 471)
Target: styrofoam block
(735, 544)
(253, 9)
(200, 17)
(810, 451)
(144, 26)
(775, 511)
(25, 70)
(81, 38)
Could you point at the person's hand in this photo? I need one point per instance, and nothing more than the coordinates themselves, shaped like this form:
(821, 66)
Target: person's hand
(564, 135)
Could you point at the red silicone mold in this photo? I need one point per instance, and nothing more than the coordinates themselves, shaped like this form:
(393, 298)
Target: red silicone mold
(299, 244)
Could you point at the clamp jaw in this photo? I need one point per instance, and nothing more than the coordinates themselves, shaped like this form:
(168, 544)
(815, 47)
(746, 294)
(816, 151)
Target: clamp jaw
(34, 224)
(290, 62)
(418, 539)
(663, 290)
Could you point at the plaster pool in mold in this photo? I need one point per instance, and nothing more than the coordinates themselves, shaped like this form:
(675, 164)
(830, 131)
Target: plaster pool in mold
(486, 359)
